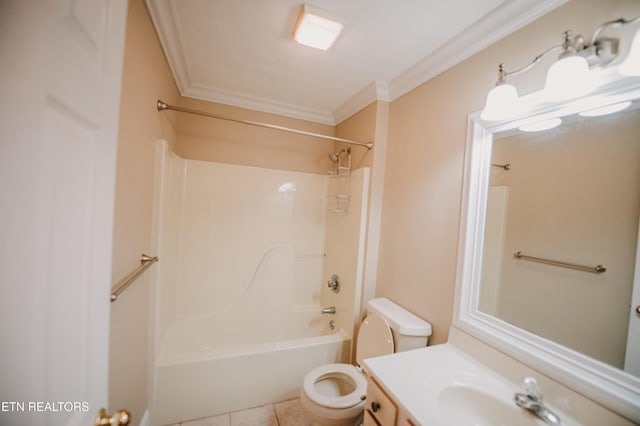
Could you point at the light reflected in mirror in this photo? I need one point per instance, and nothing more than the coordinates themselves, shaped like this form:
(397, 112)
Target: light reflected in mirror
(570, 194)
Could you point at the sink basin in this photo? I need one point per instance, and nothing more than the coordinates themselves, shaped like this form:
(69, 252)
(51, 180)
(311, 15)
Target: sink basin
(462, 405)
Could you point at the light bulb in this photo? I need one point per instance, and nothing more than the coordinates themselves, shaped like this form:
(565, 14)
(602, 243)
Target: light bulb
(502, 103)
(631, 65)
(568, 78)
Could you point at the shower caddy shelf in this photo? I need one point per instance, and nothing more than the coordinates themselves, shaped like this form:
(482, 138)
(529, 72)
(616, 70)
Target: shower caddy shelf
(340, 179)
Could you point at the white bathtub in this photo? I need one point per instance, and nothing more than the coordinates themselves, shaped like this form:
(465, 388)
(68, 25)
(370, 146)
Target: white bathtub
(204, 370)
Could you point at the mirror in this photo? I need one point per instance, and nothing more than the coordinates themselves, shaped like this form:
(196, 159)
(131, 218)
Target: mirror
(560, 237)
(568, 202)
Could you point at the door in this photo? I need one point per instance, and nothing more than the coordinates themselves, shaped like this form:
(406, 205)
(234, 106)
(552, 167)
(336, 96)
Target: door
(60, 79)
(632, 356)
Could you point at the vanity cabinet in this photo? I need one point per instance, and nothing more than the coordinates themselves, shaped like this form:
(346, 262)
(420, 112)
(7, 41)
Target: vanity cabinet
(382, 410)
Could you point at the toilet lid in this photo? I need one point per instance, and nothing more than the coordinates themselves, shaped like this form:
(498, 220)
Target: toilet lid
(374, 338)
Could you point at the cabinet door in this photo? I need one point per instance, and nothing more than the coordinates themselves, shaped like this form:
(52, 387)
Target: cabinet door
(379, 405)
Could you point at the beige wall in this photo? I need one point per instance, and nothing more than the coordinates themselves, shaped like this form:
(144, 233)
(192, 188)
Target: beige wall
(146, 77)
(423, 178)
(208, 139)
(360, 127)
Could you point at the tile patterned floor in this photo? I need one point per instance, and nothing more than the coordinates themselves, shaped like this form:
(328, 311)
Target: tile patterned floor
(286, 413)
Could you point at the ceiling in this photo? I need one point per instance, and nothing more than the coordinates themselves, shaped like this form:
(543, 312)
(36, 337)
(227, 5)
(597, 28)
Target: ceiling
(241, 52)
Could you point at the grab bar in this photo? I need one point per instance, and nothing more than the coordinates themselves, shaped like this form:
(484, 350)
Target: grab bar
(120, 286)
(598, 269)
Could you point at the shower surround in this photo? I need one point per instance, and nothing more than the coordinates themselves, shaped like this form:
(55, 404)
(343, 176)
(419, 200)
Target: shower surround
(246, 253)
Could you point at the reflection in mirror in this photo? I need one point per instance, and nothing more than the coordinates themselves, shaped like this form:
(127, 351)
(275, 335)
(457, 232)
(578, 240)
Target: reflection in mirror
(571, 194)
(567, 199)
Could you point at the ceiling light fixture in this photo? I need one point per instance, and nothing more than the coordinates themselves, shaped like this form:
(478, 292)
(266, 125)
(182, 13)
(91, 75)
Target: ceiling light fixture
(570, 76)
(316, 28)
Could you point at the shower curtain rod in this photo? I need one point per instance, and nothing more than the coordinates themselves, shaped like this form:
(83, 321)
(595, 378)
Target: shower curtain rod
(163, 106)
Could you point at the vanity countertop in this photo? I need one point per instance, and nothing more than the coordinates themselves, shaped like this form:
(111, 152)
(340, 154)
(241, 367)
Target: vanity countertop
(444, 385)
(466, 382)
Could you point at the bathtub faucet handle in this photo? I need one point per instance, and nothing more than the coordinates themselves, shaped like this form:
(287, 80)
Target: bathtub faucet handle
(329, 310)
(334, 283)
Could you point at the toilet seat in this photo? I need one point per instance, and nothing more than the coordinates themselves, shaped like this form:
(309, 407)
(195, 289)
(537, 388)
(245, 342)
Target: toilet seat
(339, 372)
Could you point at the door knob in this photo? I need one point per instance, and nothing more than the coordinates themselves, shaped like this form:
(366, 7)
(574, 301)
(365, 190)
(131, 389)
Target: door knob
(638, 309)
(121, 418)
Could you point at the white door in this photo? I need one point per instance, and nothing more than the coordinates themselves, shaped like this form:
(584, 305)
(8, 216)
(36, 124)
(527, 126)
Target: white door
(60, 73)
(632, 356)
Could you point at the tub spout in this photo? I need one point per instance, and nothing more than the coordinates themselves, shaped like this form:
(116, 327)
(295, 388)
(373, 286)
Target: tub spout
(330, 310)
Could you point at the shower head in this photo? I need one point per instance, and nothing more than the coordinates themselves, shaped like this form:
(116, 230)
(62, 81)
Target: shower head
(335, 157)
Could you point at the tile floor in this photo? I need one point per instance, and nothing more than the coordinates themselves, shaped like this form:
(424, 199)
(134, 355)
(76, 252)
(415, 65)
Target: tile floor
(286, 413)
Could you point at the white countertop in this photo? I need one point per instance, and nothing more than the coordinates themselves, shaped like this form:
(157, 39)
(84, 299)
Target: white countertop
(466, 382)
(415, 379)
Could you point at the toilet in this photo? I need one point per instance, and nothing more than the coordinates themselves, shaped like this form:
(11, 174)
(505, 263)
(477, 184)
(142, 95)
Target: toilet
(334, 394)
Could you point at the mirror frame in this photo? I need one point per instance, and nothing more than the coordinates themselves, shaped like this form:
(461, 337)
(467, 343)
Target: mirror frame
(605, 384)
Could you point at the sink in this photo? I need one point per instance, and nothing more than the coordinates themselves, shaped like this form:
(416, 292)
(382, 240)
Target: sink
(444, 386)
(462, 405)
(466, 395)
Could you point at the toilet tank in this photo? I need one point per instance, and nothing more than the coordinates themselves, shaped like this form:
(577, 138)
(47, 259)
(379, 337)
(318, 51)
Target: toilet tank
(409, 331)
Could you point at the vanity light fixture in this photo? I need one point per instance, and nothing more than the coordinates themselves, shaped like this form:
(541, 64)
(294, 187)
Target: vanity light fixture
(571, 76)
(316, 28)
(631, 65)
(502, 100)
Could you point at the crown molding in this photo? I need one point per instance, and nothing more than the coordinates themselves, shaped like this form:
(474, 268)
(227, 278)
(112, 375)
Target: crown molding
(374, 91)
(507, 18)
(259, 104)
(162, 15)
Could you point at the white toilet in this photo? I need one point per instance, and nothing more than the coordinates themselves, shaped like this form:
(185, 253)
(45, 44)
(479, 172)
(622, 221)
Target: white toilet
(334, 394)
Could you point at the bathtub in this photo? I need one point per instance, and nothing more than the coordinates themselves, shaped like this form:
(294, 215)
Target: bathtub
(203, 369)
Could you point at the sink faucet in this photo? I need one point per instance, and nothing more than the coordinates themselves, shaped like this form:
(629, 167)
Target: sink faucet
(531, 400)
